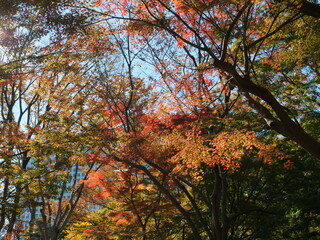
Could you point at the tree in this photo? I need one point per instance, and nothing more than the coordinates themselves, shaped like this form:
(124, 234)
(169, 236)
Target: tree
(43, 129)
(18, 103)
(234, 38)
(218, 199)
(57, 17)
(130, 207)
(135, 146)
(187, 146)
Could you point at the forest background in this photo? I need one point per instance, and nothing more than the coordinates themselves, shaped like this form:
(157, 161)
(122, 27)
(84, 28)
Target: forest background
(187, 119)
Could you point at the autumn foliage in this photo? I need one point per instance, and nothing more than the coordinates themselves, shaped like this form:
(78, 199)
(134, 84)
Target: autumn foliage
(159, 119)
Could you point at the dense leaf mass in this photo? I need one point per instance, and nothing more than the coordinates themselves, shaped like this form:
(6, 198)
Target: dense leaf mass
(159, 119)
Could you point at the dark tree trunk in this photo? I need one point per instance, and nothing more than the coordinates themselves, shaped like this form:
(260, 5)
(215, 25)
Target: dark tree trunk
(279, 119)
(310, 9)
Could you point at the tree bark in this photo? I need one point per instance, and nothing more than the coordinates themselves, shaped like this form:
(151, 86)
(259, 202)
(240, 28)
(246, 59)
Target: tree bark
(216, 198)
(310, 9)
(279, 120)
(186, 215)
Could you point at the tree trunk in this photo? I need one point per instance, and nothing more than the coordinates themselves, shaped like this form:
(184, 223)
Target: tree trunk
(310, 9)
(279, 120)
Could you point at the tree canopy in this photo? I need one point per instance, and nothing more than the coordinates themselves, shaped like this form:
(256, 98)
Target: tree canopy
(162, 119)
